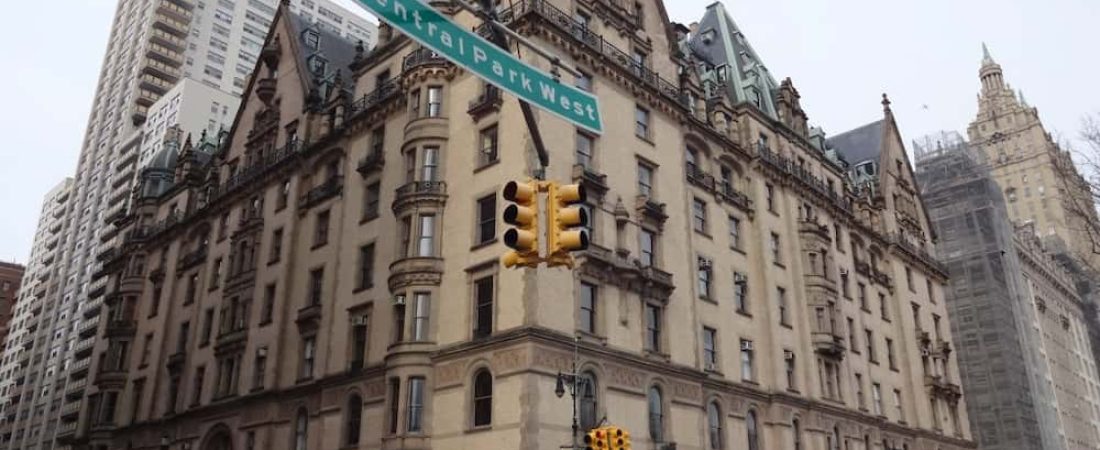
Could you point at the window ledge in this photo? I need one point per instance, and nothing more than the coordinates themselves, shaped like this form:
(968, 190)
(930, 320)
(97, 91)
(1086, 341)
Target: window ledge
(488, 164)
(786, 325)
(482, 245)
(591, 337)
(272, 262)
(738, 249)
(744, 313)
(318, 245)
(646, 139)
(479, 429)
(703, 233)
(779, 265)
(368, 217)
(708, 299)
(362, 288)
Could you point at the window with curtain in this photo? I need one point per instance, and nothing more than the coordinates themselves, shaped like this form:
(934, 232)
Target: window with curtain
(354, 420)
(589, 403)
(301, 425)
(429, 171)
(714, 424)
(483, 398)
(752, 431)
(425, 246)
(420, 316)
(656, 415)
(435, 101)
(588, 308)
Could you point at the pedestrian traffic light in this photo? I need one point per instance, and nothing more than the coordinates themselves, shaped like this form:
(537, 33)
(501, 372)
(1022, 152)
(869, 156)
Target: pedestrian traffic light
(523, 215)
(596, 439)
(562, 218)
(618, 439)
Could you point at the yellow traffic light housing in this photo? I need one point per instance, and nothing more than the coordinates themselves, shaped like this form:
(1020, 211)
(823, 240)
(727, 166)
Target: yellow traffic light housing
(523, 215)
(596, 439)
(618, 439)
(562, 218)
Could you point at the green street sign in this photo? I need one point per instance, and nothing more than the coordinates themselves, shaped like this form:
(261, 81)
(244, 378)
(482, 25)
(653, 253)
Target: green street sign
(493, 64)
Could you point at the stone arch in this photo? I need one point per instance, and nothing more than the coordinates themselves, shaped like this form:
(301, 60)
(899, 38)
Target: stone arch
(219, 437)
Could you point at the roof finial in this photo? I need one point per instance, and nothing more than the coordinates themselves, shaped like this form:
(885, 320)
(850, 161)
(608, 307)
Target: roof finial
(986, 57)
(1023, 101)
(885, 103)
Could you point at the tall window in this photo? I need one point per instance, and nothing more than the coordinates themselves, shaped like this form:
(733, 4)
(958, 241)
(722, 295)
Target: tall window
(435, 101)
(320, 228)
(641, 122)
(276, 246)
(283, 195)
(781, 303)
(301, 427)
(589, 401)
(735, 232)
(483, 308)
(883, 308)
(585, 146)
(588, 307)
(788, 366)
(699, 215)
(410, 166)
(316, 283)
(704, 276)
(486, 219)
(309, 355)
(869, 337)
(259, 368)
(645, 180)
(196, 397)
(647, 246)
(876, 398)
(796, 429)
(371, 200)
(861, 292)
(691, 160)
(483, 398)
(425, 243)
(752, 431)
(656, 415)
(395, 396)
(421, 310)
(777, 251)
(488, 150)
(852, 335)
(430, 169)
(353, 420)
(714, 425)
(652, 327)
(414, 423)
(861, 400)
(890, 358)
(741, 292)
(366, 266)
(267, 310)
(746, 360)
(215, 272)
(769, 196)
(897, 405)
(359, 334)
(844, 285)
(710, 348)
(378, 141)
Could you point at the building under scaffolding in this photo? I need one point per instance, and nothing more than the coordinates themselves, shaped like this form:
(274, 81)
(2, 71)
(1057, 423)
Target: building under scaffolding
(1002, 371)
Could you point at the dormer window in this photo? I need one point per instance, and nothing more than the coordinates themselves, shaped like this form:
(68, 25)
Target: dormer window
(317, 65)
(867, 169)
(313, 40)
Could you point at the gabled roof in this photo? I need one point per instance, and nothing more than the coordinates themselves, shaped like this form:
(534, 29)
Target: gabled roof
(859, 145)
(719, 42)
(335, 50)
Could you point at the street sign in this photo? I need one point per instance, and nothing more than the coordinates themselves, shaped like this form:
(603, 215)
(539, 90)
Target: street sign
(489, 62)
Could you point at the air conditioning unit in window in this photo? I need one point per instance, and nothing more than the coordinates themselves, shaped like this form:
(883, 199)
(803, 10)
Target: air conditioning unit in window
(746, 345)
(788, 355)
(704, 263)
(399, 300)
(740, 278)
(359, 320)
(709, 365)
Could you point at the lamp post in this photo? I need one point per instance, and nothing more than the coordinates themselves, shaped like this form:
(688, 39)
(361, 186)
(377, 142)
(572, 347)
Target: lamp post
(574, 382)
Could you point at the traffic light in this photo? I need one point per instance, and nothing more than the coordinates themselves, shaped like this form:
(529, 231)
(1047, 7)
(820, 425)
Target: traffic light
(524, 216)
(596, 439)
(618, 439)
(562, 218)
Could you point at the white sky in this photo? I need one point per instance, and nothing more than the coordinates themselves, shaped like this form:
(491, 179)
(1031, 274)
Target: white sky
(841, 54)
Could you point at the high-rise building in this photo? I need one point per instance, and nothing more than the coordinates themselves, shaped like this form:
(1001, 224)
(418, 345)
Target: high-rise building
(326, 275)
(11, 277)
(190, 107)
(152, 47)
(33, 310)
(1024, 353)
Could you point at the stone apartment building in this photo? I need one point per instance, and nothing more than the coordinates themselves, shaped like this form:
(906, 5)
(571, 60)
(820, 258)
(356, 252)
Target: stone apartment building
(325, 275)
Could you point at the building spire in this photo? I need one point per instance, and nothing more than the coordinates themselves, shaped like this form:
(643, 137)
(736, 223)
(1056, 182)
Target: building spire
(1023, 101)
(986, 57)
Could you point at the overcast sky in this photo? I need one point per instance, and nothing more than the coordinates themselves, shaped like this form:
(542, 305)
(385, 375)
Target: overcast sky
(841, 54)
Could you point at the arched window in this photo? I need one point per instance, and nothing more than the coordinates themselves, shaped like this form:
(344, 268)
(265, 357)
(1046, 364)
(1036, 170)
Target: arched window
(301, 425)
(836, 438)
(589, 404)
(796, 431)
(656, 415)
(692, 157)
(751, 431)
(483, 398)
(354, 420)
(714, 425)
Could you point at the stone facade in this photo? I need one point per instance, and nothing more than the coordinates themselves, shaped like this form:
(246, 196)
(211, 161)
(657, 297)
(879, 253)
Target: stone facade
(325, 275)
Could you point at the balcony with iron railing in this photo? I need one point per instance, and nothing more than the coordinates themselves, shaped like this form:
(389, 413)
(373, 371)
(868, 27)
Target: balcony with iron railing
(488, 101)
(380, 94)
(418, 192)
(422, 57)
(330, 188)
(371, 163)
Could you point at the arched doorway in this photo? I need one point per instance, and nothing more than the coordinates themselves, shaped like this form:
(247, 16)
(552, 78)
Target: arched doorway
(218, 438)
